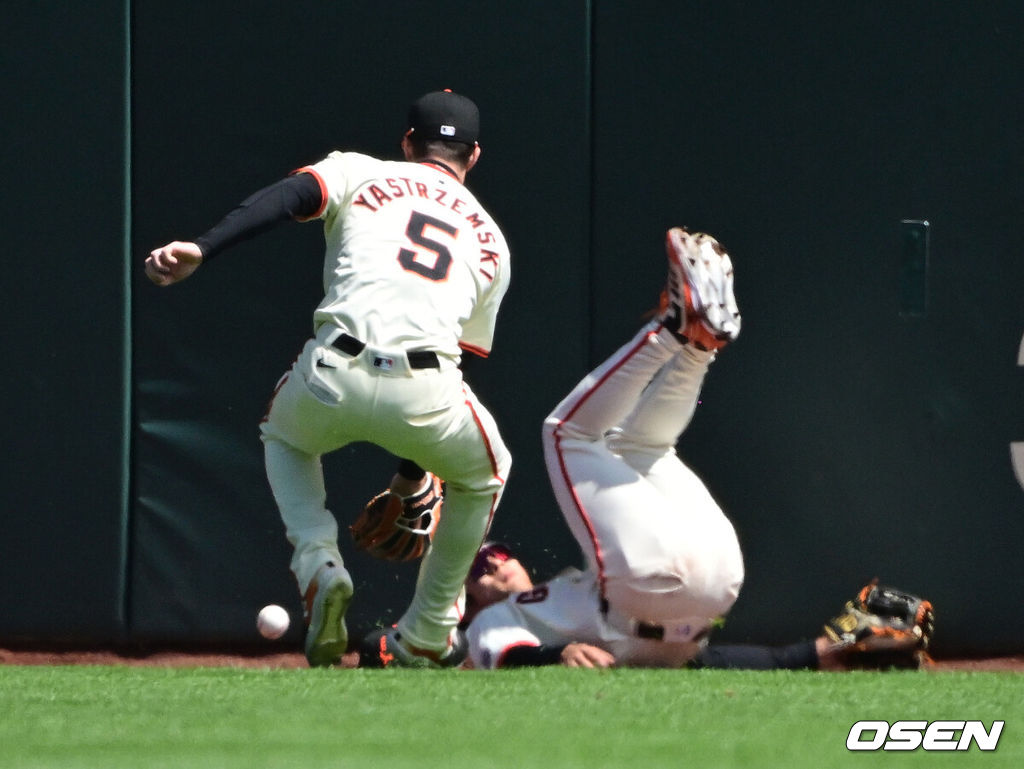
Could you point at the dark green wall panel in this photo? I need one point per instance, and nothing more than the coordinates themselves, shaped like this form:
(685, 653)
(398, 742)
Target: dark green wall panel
(228, 113)
(64, 320)
(845, 439)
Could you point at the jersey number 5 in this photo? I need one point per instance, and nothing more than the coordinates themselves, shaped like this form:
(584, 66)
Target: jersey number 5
(442, 257)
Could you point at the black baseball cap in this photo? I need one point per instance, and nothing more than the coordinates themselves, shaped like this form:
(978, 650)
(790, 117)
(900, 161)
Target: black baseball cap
(445, 115)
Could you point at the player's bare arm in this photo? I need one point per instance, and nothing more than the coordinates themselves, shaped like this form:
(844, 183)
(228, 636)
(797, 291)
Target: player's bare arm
(173, 263)
(571, 655)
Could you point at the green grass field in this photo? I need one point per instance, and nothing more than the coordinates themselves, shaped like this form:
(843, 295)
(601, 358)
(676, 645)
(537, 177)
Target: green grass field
(97, 716)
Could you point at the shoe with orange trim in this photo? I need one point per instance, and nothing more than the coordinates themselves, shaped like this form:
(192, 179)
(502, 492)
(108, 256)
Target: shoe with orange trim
(698, 305)
(384, 648)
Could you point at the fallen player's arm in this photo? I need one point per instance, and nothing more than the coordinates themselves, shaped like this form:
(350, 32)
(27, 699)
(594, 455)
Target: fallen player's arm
(799, 656)
(573, 655)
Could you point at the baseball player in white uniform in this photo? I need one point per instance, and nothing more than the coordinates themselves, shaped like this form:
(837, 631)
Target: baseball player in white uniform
(414, 272)
(881, 628)
(662, 560)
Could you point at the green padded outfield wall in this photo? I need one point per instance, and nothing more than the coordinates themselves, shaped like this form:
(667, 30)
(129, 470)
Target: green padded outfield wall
(855, 429)
(65, 321)
(238, 106)
(861, 426)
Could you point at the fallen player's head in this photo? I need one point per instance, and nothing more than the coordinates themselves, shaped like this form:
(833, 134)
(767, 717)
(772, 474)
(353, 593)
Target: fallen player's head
(496, 574)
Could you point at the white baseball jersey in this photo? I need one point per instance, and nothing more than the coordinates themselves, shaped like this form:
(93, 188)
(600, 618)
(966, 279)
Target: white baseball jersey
(566, 610)
(553, 613)
(412, 258)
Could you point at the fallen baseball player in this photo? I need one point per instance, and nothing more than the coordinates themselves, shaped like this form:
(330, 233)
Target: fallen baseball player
(663, 563)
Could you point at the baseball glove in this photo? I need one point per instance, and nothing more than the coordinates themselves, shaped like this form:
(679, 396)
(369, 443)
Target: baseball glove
(883, 627)
(395, 528)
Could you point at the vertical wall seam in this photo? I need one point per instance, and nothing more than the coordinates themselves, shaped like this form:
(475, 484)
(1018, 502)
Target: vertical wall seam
(589, 235)
(127, 388)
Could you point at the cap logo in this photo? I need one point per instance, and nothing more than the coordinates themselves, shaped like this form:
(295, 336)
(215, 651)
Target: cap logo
(447, 130)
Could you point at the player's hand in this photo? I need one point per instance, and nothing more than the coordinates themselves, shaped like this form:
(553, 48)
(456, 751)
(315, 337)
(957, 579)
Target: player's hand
(173, 263)
(579, 655)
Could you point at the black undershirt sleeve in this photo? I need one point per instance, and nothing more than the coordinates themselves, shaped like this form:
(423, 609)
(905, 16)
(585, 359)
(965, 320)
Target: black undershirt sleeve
(798, 656)
(532, 656)
(294, 197)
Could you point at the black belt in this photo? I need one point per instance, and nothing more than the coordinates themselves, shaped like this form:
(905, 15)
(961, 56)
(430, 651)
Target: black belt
(417, 358)
(650, 630)
(656, 632)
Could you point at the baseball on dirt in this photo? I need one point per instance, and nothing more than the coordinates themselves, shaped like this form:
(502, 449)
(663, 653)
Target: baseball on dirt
(272, 621)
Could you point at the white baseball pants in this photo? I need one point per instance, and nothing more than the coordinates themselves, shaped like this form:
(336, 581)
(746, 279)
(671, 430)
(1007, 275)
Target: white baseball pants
(661, 547)
(329, 400)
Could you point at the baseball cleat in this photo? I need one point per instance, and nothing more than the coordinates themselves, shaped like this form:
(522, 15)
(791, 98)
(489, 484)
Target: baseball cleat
(384, 648)
(327, 600)
(698, 305)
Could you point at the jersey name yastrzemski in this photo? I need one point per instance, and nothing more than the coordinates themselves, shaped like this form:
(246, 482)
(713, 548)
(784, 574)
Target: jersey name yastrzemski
(411, 255)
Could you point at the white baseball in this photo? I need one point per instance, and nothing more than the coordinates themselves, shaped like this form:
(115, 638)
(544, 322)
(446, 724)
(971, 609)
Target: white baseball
(272, 621)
